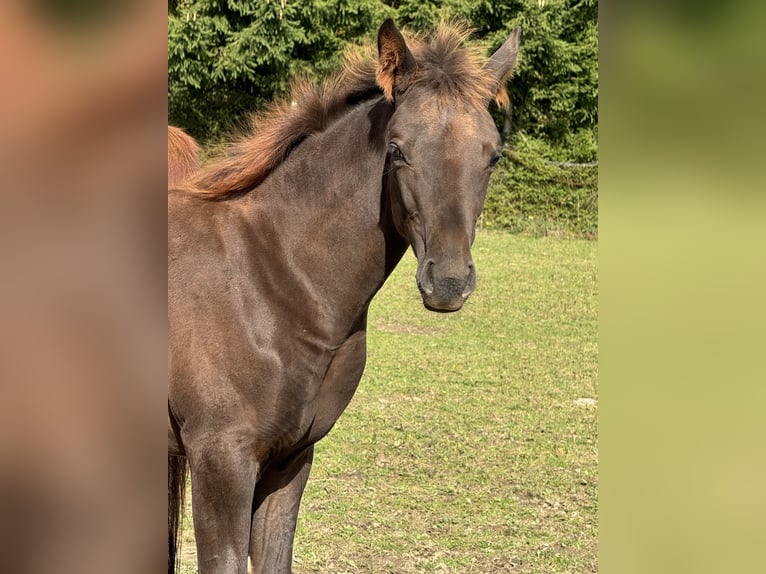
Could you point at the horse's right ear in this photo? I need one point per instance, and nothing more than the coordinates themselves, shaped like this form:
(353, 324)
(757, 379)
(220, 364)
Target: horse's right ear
(501, 65)
(395, 62)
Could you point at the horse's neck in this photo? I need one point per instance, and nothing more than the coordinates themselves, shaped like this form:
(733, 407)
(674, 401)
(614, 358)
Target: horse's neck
(337, 224)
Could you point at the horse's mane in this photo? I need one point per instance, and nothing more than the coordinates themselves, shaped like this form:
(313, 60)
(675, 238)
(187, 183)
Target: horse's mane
(183, 156)
(446, 65)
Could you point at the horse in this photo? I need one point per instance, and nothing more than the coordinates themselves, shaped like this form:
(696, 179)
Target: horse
(275, 251)
(183, 156)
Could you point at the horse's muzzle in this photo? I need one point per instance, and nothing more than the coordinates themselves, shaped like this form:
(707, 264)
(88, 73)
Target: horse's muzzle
(446, 292)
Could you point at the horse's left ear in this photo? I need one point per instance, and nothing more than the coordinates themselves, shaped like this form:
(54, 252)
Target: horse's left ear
(395, 62)
(501, 65)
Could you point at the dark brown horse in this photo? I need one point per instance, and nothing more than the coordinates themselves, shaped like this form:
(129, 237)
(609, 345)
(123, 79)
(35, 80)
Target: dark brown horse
(183, 156)
(274, 254)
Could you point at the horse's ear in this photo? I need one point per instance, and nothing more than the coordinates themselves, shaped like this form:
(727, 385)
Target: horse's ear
(502, 64)
(395, 62)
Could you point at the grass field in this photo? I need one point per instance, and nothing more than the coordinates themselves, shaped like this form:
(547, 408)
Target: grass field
(470, 446)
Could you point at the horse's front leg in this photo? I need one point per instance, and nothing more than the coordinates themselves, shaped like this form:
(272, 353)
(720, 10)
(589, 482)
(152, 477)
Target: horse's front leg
(275, 514)
(279, 491)
(223, 474)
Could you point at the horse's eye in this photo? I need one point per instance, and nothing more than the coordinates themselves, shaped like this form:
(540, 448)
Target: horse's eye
(496, 157)
(396, 153)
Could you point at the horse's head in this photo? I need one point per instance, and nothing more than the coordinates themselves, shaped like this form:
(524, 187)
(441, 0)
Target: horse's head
(442, 148)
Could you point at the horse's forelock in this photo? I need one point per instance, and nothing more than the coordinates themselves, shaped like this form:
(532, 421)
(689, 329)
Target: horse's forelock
(454, 68)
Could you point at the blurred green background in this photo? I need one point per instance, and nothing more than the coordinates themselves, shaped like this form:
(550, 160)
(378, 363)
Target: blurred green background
(682, 266)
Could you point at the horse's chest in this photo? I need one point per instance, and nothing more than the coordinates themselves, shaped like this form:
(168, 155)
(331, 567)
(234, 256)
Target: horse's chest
(280, 403)
(336, 388)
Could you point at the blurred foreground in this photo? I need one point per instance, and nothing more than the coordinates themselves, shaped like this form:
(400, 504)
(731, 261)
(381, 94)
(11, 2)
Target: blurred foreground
(82, 296)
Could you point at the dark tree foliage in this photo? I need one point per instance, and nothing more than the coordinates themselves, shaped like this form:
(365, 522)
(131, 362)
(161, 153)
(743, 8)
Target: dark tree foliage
(229, 57)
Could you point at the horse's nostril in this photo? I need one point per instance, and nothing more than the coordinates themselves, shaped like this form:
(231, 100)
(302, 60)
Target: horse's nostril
(471, 283)
(426, 278)
(430, 275)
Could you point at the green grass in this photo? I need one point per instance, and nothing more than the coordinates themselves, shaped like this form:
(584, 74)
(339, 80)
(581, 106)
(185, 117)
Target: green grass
(466, 449)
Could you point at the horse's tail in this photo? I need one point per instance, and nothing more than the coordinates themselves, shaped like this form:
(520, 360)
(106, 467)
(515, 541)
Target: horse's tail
(176, 491)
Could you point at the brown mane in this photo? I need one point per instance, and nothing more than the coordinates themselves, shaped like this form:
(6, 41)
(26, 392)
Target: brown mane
(445, 65)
